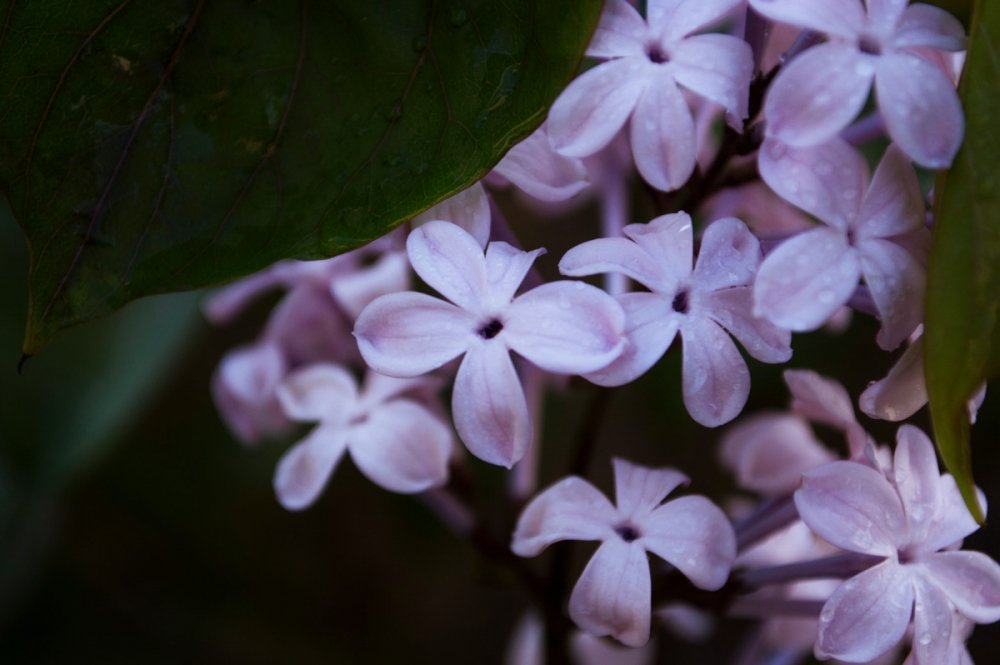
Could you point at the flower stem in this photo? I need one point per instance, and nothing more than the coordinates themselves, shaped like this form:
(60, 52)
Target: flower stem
(835, 567)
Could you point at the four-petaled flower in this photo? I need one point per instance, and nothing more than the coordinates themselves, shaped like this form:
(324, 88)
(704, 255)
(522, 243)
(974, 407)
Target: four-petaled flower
(562, 327)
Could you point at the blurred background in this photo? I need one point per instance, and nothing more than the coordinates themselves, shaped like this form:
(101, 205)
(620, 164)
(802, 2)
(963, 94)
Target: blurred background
(135, 529)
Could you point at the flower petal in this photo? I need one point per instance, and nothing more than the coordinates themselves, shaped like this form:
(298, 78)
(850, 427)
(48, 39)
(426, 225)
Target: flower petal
(827, 181)
(669, 239)
(566, 327)
(572, 509)
(769, 452)
(469, 210)
(867, 615)
(539, 171)
(322, 392)
(893, 204)
(450, 261)
(731, 309)
(354, 290)
(921, 109)
(402, 447)
(693, 534)
(304, 470)
(717, 67)
(818, 94)
(971, 580)
(802, 283)
(854, 507)
(639, 489)
(843, 18)
(613, 595)
(902, 392)
(716, 381)
(591, 110)
(933, 27)
(915, 471)
(506, 267)
(820, 399)
(650, 327)
(408, 334)
(488, 405)
(673, 19)
(897, 283)
(729, 256)
(243, 387)
(663, 134)
(615, 255)
(309, 326)
(952, 521)
(932, 622)
(621, 31)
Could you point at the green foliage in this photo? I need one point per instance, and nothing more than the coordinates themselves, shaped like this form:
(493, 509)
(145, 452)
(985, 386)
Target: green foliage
(172, 144)
(962, 347)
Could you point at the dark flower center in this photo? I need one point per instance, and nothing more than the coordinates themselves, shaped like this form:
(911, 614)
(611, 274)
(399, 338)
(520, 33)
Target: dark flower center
(492, 329)
(628, 533)
(870, 46)
(656, 54)
(680, 303)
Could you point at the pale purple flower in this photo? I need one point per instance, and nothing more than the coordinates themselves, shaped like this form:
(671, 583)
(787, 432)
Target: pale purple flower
(648, 61)
(539, 171)
(562, 327)
(397, 442)
(526, 646)
(908, 518)
(613, 595)
(469, 209)
(699, 304)
(244, 388)
(868, 231)
(821, 91)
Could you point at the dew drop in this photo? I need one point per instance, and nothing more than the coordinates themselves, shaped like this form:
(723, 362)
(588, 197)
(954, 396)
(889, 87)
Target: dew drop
(925, 639)
(827, 296)
(826, 615)
(862, 539)
(900, 475)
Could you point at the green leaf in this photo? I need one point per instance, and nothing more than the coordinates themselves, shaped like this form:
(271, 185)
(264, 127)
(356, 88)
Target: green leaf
(165, 145)
(962, 347)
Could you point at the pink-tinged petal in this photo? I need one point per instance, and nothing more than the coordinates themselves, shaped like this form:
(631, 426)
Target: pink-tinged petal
(673, 19)
(915, 470)
(897, 283)
(827, 181)
(867, 615)
(321, 392)
(488, 405)
(717, 67)
(844, 18)
(921, 109)
(769, 452)
(379, 388)
(716, 381)
(613, 595)
(893, 204)
(304, 470)
(572, 509)
(536, 169)
(225, 304)
(952, 521)
(566, 327)
(591, 110)
(731, 309)
(469, 210)
(408, 334)
(243, 387)
(450, 261)
(900, 394)
(650, 327)
(929, 26)
(818, 94)
(506, 267)
(729, 256)
(693, 534)
(309, 327)
(820, 399)
(663, 135)
(971, 580)
(670, 241)
(639, 489)
(621, 31)
(760, 208)
(402, 447)
(932, 622)
(806, 279)
(616, 255)
(354, 290)
(853, 507)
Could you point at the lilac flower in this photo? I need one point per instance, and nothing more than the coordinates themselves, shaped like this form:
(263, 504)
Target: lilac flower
(469, 209)
(395, 441)
(613, 596)
(562, 327)
(536, 169)
(648, 60)
(244, 389)
(907, 518)
(700, 305)
(821, 91)
(868, 232)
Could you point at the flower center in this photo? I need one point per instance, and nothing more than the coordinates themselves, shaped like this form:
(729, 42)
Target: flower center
(870, 45)
(491, 329)
(656, 54)
(680, 303)
(627, 532)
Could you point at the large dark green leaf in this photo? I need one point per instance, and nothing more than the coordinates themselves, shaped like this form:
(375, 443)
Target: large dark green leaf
(164, 145)
(963, 296)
